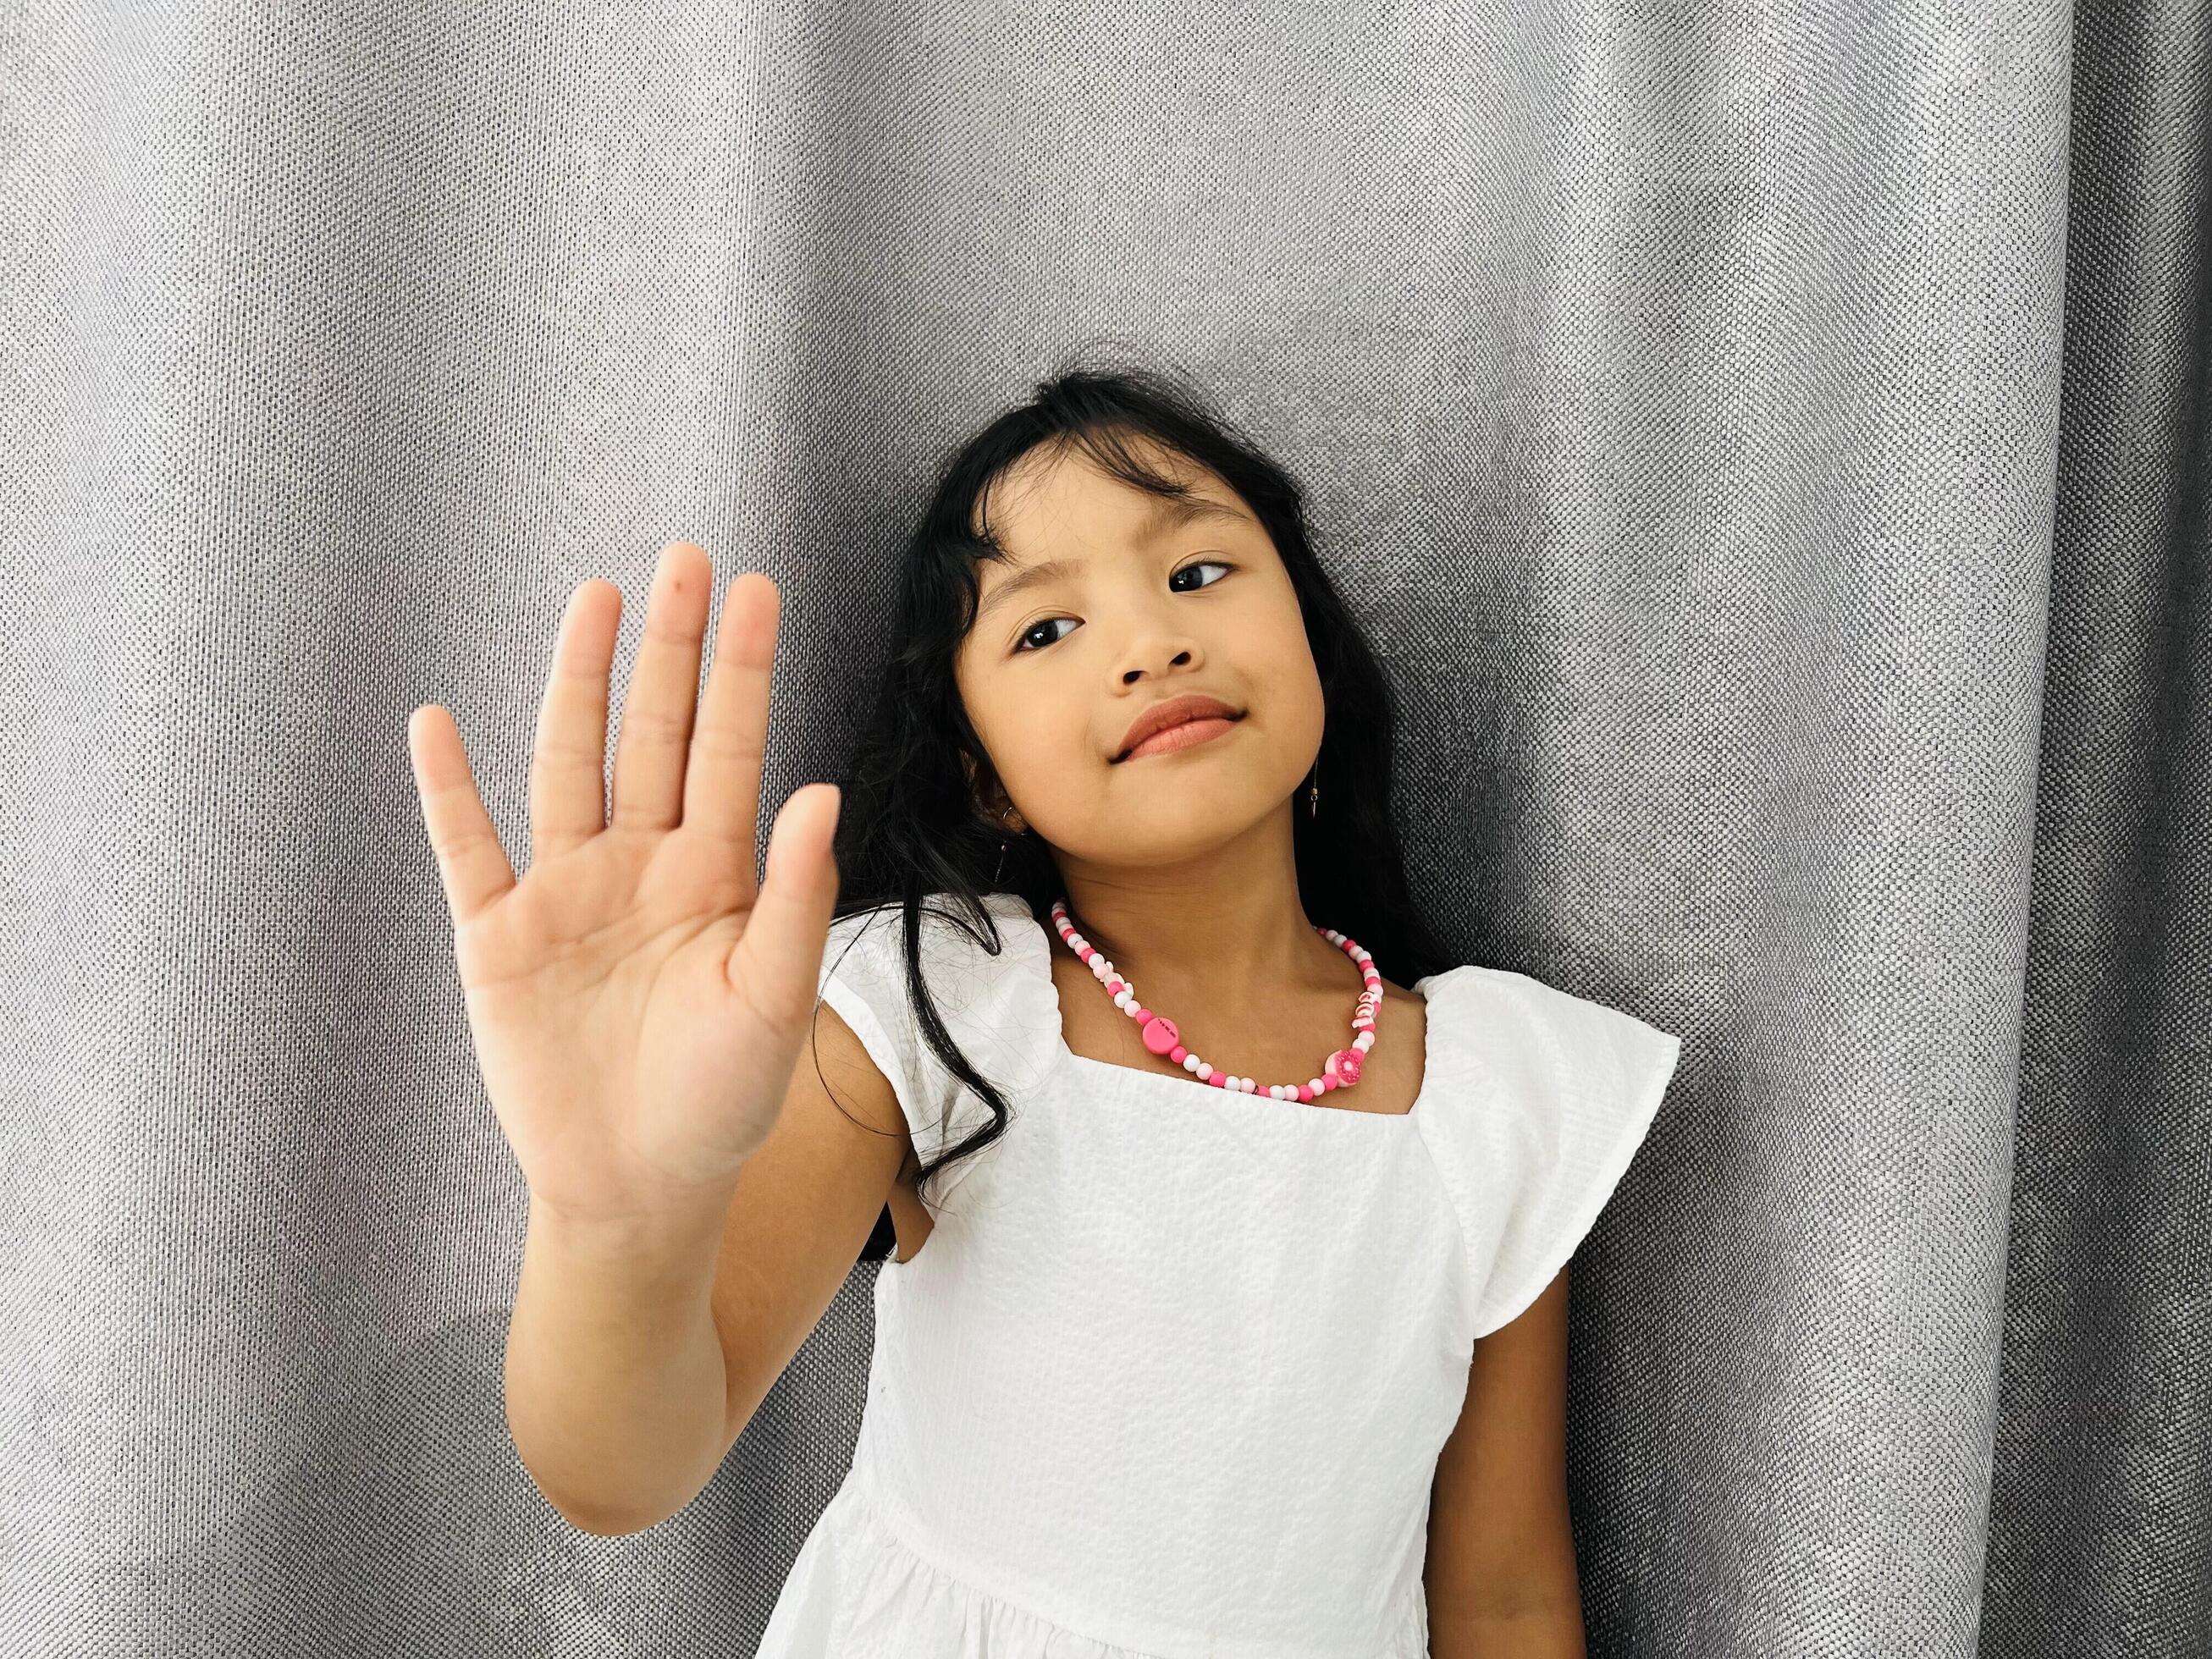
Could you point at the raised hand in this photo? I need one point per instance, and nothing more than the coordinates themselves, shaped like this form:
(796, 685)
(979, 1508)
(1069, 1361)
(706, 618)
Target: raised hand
(638, 1000)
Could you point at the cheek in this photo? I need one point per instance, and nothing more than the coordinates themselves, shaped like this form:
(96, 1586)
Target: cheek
(1270, 635)
(1278, 666)
(1041, 740)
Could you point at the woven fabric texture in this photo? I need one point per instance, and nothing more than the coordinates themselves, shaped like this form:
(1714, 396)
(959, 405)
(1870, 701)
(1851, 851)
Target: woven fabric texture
(1766, 443)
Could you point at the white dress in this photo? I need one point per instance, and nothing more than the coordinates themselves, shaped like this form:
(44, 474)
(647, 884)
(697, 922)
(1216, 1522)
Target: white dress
(1170, 1374)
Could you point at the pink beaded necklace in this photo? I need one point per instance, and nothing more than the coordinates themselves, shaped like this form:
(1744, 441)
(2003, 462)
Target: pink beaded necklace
(1340, 1070)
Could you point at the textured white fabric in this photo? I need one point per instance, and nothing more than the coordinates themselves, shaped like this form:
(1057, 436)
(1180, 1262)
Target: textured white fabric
(1170, 1374)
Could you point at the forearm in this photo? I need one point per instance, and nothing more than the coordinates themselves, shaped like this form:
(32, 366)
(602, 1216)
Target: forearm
(1544, 1630)
(615, 1389)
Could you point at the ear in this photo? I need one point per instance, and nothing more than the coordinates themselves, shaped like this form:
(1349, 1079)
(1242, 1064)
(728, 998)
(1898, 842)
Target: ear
(992, 798)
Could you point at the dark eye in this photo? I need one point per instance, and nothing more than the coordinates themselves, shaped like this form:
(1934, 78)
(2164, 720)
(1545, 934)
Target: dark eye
(1201, 564)
(1021, 644)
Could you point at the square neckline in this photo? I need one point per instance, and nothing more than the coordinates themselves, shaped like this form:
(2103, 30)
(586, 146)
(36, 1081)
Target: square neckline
(1219, 1096)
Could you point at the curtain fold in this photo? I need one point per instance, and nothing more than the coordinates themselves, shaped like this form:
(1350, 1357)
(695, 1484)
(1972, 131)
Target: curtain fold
(1767, 446)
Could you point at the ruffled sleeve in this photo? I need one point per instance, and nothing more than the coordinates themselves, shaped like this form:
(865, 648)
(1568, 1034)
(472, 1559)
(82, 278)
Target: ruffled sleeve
(1546, 1098)
(1002, 1010)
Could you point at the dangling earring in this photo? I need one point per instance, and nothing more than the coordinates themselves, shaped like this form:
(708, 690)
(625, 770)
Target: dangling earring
(1002, 870)
(1313, 795)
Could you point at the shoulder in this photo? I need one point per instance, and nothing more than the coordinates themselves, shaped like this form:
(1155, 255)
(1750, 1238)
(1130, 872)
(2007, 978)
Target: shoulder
(963, 956)
(988, 981)
(1523, 1041)
(1542, 1101)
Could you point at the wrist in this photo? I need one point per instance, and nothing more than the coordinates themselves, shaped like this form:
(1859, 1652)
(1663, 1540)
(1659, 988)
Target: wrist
(666, 1257)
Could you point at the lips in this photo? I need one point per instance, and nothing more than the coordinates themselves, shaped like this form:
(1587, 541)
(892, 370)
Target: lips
(1174, 711)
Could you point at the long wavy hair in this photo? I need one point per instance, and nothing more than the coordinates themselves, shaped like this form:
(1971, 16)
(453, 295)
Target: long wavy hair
(911, 826)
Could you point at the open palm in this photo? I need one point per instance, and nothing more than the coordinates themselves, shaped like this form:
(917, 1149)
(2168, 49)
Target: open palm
(638, 1000)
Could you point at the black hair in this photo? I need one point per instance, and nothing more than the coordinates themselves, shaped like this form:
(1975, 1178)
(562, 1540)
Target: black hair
(909, 824)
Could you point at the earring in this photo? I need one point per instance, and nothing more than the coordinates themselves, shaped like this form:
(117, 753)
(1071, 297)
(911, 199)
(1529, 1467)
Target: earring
(1313, 795)
(1002, 870)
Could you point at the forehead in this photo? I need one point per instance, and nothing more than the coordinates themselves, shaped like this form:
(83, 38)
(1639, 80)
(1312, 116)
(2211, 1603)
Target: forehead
(1043, 496)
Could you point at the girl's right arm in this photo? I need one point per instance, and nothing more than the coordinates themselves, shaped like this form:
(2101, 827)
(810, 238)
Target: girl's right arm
(638, 1003)
(634, 1362)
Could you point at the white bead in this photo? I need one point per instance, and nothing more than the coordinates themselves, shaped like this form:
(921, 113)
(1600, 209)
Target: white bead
(1204, 1071)
(1122, 999)
(1250, 1086)
(1364, 1042)
(1316, 1085)
(1189, 1061)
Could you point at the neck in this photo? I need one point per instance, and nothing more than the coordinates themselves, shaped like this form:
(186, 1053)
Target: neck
(1240, 941)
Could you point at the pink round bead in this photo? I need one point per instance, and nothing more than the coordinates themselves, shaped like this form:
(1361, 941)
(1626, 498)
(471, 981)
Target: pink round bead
(1115, 986)
(1305, 1091)
(1160, 1034)
(1220, 1079)
(1178, 1053)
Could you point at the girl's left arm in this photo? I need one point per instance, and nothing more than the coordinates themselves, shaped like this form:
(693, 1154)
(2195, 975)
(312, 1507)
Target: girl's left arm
(1500, 1575)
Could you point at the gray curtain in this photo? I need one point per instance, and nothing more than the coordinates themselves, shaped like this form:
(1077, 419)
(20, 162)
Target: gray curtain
(1769, 445)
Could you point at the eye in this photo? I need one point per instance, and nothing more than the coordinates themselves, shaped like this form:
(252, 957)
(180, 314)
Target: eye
(1201, 564)
(1021, 645)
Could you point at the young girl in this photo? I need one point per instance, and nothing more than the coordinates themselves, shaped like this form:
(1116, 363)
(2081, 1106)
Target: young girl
(1239, 1324)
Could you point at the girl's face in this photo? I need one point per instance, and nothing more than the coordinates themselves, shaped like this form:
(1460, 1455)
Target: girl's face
(1111, 600)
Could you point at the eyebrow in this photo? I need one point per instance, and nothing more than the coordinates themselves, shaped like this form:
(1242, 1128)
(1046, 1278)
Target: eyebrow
(1170, 515)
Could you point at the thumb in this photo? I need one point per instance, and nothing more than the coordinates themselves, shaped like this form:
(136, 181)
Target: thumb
(783, 944)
